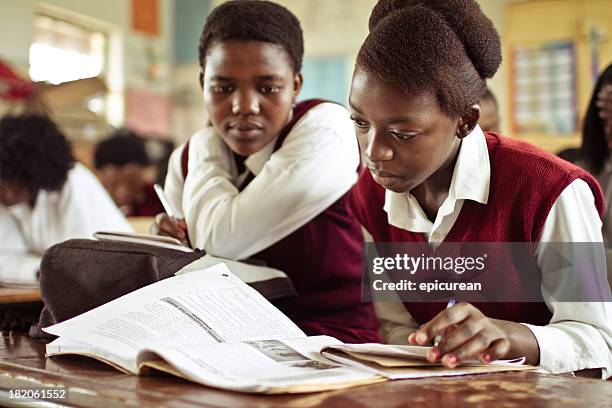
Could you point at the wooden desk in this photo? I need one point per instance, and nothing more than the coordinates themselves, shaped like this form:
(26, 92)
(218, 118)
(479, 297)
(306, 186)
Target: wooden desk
(93, 384)
(18, 295)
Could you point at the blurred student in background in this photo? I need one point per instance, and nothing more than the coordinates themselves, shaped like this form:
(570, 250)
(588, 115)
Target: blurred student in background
(121, 162)
(489, 113)
(45, 197)
(255, 184)
(597, 142)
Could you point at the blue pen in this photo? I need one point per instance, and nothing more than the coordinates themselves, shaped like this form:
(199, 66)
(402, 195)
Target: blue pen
(438, 338)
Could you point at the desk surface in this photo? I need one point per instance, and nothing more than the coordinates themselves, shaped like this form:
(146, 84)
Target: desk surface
(18, 295)
(90, 383)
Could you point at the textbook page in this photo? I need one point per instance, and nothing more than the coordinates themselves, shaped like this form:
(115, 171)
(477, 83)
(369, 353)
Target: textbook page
(271, 283)
(246, 272)
(123, 360)
(264, 366)
(392, 355)
(409, 371)
(204, 307)
(407, 361)
(392, 350)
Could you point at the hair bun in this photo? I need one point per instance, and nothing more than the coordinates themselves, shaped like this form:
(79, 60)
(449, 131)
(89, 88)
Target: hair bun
(474, 29)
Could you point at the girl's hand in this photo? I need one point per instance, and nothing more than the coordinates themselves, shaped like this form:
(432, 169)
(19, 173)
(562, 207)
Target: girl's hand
(171, 227)
(466, 334)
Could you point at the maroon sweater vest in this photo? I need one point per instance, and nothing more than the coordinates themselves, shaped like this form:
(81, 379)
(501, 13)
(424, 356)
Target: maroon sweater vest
(525, 183)
(323, 260)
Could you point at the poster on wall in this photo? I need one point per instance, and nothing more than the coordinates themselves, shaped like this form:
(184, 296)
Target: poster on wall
(145, 16)
(544, 88)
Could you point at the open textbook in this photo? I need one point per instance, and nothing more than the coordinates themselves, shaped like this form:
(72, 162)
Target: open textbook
(210, 327)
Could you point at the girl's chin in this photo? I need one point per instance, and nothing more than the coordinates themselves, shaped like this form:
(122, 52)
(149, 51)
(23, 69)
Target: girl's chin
(395, 184)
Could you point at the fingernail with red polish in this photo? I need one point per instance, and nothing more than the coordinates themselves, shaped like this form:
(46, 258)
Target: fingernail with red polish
(486, 358)
(450, 360)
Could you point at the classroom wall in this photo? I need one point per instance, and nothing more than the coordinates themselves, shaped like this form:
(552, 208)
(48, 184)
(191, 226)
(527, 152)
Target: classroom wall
(188, 108)
(333, 31)
(131, 52)
(189, 17)
(495, 10)
(540, 21)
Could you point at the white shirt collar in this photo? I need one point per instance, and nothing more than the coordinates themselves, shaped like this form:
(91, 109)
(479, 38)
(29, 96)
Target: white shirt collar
(257, 160)
(470, 181)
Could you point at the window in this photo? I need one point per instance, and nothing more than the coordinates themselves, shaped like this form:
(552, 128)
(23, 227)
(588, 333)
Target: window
(63, 51)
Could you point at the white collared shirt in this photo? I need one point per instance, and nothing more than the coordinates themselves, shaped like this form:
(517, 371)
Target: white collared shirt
(79, 209)
(314, 167)
(579, 335)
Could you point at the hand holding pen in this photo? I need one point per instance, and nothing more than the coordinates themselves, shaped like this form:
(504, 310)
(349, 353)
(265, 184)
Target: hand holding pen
(439, 337)
(167, 223)
(462, 332)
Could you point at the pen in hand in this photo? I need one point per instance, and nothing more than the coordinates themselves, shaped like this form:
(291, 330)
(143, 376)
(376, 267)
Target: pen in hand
(164, 201)
(438, 338)
(173, 227)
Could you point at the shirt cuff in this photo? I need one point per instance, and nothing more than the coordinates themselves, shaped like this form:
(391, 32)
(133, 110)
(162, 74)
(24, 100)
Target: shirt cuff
(557, 352)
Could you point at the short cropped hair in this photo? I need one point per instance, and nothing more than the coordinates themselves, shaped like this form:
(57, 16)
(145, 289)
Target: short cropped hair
(34, 153)
(254, 20)
(124, 146)
(447, 47)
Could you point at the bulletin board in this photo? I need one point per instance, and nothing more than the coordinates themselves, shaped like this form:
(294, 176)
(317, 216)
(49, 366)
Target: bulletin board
(543, 87)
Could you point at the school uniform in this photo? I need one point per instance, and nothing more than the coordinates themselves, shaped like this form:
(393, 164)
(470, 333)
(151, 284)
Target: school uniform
(293, 215)
(79, 209)
(503, 190)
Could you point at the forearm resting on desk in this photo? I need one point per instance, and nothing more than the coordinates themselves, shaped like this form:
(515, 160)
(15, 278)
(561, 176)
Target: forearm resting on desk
(523, 342)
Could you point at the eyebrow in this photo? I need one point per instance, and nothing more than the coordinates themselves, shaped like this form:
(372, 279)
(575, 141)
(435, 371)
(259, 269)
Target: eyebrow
(392, 120)
(220, 78)
(353, 107)
(270, 77)
(401, 119)
(261, 78)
